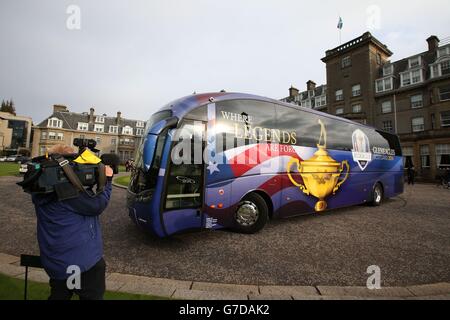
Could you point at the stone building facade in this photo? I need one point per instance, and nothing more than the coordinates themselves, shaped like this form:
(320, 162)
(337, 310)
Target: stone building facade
(409, 97)
(112, 134)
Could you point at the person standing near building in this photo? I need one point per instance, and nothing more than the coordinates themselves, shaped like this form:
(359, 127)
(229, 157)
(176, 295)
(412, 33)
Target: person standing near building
(411, 175)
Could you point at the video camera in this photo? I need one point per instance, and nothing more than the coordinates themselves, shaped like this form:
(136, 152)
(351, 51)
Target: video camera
(69, 174)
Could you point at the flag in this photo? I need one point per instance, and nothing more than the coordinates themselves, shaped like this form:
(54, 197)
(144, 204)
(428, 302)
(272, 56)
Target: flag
(340, 23)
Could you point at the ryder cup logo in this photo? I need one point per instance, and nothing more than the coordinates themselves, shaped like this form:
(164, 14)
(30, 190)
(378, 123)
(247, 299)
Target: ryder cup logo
(361, 149)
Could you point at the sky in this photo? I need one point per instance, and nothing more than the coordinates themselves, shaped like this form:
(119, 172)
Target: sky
(135, 56)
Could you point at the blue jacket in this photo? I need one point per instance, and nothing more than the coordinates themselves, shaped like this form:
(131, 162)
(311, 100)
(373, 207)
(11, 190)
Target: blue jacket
(69, 231)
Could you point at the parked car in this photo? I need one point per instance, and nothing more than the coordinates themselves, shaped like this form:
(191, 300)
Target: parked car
(12, 158)
(17, 158)
(2, 159)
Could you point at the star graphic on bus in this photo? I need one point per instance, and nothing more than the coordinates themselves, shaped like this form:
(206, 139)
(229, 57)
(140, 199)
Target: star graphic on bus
(213, 167)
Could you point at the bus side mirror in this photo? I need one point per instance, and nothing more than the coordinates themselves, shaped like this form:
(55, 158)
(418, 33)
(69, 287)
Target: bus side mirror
(171, 122)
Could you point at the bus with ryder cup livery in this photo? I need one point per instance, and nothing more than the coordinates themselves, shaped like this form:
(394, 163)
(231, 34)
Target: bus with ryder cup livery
(231, 160)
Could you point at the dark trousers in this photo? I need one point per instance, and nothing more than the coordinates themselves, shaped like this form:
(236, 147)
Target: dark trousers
(92, 285)
(410, 178)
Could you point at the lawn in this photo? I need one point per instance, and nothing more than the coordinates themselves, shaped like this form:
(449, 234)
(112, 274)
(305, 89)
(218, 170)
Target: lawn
(12, 289)
(123, 181)
(9, 169)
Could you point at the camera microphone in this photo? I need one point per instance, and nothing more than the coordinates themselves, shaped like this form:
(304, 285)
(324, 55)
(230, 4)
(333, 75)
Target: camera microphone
(111, 160)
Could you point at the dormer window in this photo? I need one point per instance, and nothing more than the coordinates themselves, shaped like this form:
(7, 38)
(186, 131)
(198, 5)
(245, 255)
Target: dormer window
(140, 124)
(100, 119)
(411, 77)
(99, 128)
(127, 130)
(54, 123)
(440, 69)
(388, 70)
(113, 129)
(83, 126)
(444, 51)
(415, 62)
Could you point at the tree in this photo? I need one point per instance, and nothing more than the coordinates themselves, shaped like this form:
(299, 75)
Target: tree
(8, 106)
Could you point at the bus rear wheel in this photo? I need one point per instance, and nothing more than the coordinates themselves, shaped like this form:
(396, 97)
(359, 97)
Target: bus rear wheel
(251, 214)
(377, 195)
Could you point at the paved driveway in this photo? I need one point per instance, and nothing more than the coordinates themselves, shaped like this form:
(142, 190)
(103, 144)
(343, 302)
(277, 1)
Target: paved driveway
(408, 237)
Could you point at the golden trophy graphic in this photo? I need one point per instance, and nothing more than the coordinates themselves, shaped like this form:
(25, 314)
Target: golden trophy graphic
(320, 173)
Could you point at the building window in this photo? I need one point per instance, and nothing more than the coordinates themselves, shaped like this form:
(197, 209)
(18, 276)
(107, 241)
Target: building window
(408, 154)
(382, 85)
(425, 156)
(444, 51)
(414, 62)
(378, 58)
(100, 119)
(42, 150)
(113, 141)
(83, 126)
(139, 132)
(356, 108)
(321, 101)
(356, 90)
(59, 136)
(127, 130)
(339, 110)
(416, 101)
(339, 95)
(99, 128)
(411, 77)
(140, 124)
(387, 126)
(444, 93)
(388, 70)
(440, 69)
(386, 107)
(52, 135)
(98, 140)
(443, 156)
(44, 135)
(346, 62)
(418, 124)
(306, 103)
(113, 129)
(54, 123)
(445, 119)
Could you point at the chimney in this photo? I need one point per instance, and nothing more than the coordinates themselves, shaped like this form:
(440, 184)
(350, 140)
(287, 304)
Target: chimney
(433, 43)
(119, 116)
(91, 115)
(59, 108)
(293, 91)
(310, 85)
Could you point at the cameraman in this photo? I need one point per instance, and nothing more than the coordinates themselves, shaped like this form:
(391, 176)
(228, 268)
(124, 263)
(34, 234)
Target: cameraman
(69, 234)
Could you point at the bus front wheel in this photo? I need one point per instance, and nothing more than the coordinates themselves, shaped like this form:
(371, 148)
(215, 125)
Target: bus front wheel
(377, 195)
(251, 214)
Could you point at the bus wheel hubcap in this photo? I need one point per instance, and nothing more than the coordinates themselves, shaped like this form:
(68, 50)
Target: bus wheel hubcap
(247, 214)
(377, 195)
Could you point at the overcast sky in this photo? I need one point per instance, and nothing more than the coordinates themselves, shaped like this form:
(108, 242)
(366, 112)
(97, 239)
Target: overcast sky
(135, 56)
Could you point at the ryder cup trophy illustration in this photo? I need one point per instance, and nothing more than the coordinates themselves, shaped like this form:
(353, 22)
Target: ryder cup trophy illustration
(320, 173)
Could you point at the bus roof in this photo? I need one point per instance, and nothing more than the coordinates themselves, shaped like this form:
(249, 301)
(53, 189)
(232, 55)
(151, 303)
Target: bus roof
(184, 105)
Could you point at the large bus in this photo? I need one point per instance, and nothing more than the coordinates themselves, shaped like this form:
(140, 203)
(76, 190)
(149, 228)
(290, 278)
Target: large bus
(232, 160)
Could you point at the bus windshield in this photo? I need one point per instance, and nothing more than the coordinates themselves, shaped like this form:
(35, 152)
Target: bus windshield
(143, 179)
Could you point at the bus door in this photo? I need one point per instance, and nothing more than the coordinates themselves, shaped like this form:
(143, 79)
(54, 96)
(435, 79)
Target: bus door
(184, 182)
